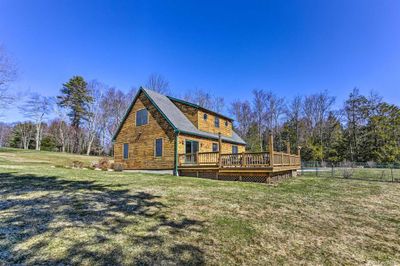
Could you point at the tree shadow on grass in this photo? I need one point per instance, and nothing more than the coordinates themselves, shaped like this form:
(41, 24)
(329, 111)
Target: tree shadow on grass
(50, 220)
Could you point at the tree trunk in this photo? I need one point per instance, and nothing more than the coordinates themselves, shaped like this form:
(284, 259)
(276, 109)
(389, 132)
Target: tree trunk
(37, 137)
(89, 147)
(25, 141)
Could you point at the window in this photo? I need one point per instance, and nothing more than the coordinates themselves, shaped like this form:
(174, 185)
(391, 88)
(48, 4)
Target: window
(159, 147)
(216, 122)
(226, 123)
(141, 117)
(215, 147)
(235, 149)
(205, 116)
(126, 151)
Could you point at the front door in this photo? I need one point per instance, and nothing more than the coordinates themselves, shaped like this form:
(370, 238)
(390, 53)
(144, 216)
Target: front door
(191, 147)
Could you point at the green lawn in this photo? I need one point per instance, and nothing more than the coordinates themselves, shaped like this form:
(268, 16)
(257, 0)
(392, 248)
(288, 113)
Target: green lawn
(54, 215)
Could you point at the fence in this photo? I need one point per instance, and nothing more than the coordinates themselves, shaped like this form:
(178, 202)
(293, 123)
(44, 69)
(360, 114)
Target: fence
(370, 171)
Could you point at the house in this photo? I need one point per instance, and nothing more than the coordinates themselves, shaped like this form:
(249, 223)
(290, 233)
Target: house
(156, 129)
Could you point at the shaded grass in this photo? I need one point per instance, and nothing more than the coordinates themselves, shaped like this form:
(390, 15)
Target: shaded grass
(55, 215)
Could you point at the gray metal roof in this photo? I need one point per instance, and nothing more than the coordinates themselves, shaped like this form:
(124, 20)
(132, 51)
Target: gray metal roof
(180, 121)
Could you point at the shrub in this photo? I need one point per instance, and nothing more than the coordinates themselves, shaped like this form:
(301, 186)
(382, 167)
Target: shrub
(93, 165)
(118, 167)
(77, 164)
(347, 169)
(103, 164)
(371, 164)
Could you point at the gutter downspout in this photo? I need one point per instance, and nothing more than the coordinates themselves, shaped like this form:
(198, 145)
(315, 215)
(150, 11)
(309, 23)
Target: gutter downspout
(175, 172)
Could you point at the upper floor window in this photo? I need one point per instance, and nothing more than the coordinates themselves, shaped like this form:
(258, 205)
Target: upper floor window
(205, 116)
(215, 147)
(216, 122)
(226, 123)
(141, 117)
(235, 149)
(159, 148)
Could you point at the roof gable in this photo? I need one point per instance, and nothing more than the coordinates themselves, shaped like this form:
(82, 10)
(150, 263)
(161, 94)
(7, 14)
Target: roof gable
(178, 121)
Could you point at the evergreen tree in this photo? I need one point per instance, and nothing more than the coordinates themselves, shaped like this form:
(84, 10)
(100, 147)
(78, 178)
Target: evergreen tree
(334, 139)
(76, 97)
(356, 112)
(383, 129)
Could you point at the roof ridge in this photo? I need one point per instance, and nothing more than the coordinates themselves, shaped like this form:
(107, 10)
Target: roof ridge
(199, 107)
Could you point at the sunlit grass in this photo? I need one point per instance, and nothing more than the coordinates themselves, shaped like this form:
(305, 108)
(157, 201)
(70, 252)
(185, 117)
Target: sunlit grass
(69, 216)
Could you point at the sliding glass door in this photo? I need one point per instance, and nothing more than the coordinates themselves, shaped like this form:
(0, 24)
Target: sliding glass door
(191, 147)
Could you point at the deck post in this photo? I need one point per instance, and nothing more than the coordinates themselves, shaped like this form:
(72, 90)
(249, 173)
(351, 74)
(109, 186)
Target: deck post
(243, 159)
(298, 153)
(271, 149)
(176, 157)
(219, 150)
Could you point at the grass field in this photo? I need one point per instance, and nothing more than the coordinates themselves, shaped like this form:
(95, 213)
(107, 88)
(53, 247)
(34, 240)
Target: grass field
(69, 216)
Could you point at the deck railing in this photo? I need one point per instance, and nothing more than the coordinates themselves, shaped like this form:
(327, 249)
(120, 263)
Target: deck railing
(239, 160)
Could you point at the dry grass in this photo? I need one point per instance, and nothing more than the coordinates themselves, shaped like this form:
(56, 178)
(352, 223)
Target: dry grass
(67, 216)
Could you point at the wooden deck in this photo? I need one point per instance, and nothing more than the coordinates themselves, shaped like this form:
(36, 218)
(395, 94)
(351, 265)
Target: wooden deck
(248, 166)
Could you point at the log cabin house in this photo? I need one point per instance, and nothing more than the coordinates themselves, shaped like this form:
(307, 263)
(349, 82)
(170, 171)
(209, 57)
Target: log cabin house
(165, 133)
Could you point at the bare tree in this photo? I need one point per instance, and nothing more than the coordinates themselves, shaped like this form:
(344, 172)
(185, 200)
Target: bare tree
(199, 97)
(324, 105)
(243, 115)
(26, 132)
(218, 104)
(60, 127)
(5, 99)
(37, 107)
(114, 105)
(293, 113)
(96, 120)
(158, 83)
(276, 108)
(5, 132)
(206, 100)
(8, 73)
(260, 99)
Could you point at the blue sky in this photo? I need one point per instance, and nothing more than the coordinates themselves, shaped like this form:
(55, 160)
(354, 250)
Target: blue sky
(229, 48)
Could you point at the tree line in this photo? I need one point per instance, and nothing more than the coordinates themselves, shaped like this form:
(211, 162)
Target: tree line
(81, 119)
(85, 114)
(365, 128)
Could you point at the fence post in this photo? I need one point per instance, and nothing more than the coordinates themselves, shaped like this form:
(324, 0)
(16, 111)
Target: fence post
(316, 168)
(391, 171)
